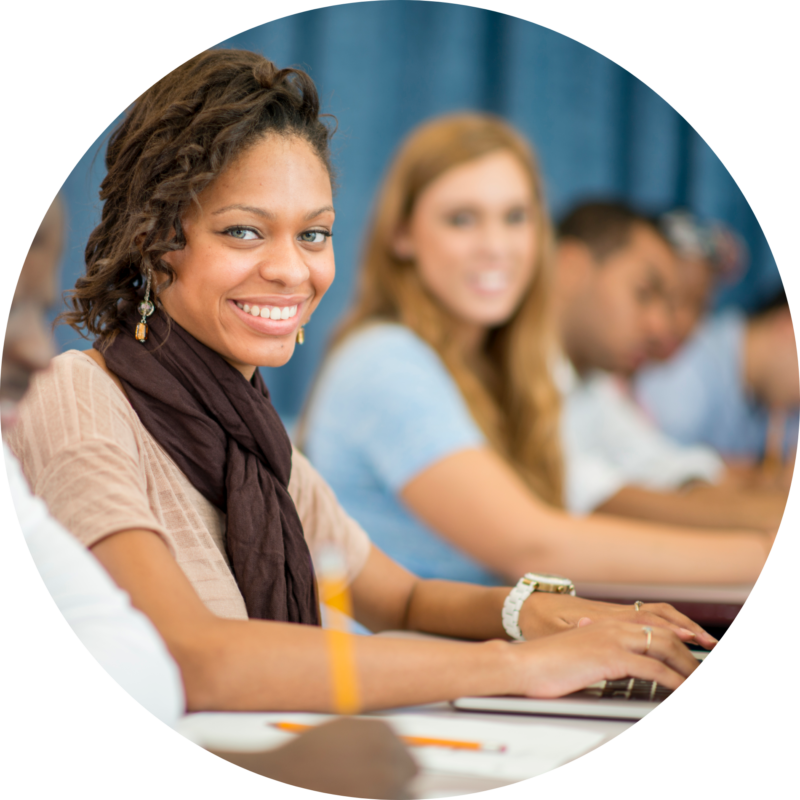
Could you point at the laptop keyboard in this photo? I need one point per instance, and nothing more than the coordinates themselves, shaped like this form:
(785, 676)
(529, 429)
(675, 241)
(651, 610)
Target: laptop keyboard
(632, 688)
(626, 689)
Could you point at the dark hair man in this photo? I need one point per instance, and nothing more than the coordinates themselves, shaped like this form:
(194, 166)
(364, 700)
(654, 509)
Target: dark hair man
(615, 282)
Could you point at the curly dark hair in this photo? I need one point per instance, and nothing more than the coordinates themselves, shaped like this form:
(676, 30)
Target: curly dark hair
(174, 141)
(604, 226)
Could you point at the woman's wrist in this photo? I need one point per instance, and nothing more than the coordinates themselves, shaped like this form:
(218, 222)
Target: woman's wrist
(503, 672)
(544, 613)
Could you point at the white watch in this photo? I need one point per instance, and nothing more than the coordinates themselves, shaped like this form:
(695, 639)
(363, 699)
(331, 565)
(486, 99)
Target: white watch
(529, 583)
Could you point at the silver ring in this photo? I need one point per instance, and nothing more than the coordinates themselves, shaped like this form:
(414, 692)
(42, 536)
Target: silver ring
(638, 605)
(646, 629)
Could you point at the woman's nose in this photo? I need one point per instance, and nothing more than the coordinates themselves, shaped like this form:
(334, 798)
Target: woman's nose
(495, 239)
(284, 263)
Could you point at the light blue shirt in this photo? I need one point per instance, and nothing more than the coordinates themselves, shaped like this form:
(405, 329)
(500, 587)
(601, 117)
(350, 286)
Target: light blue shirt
(699, 394)
(384, 409)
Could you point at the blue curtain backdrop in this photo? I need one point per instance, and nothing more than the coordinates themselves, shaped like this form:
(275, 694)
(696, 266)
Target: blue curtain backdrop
(381, 68)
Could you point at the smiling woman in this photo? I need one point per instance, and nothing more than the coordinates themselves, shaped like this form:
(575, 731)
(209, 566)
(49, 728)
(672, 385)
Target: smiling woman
(258, 255)
(164, 455)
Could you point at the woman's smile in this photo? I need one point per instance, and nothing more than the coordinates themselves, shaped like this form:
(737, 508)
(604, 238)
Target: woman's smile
(275, 317)
(491, 282)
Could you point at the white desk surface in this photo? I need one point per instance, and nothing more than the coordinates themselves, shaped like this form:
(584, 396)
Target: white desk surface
(244, 731)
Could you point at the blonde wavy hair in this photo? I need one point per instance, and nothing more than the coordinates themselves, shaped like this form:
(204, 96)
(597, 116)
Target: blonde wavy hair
(510, 394)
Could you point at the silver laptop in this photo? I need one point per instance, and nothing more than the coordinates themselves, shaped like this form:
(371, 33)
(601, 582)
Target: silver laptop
(628, 699)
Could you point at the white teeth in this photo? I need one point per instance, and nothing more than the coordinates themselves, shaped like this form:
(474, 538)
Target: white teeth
(265, 312)
(492, 281)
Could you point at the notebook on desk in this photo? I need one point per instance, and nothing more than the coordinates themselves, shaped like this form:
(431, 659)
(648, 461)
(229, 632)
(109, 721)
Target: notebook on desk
(628, 699)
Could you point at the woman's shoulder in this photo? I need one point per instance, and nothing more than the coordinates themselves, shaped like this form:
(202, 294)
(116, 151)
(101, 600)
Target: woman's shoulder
(79, 372)
(72, 400)
(386, 396)
(380, 346)
(66, 366)
(385, 376)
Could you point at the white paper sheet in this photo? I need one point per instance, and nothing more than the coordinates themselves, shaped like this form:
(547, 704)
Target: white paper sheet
(530, 748)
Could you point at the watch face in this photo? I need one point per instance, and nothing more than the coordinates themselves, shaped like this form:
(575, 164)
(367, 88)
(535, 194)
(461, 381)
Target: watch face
(551, 583)
(551, 578)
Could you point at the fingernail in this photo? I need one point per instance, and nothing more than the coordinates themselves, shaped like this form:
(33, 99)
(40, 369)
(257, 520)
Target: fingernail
(686, 632)
(584, 621)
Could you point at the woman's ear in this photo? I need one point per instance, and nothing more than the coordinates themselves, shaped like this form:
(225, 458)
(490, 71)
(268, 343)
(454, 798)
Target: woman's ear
(402, 244)
(172, 258)
(169, 258)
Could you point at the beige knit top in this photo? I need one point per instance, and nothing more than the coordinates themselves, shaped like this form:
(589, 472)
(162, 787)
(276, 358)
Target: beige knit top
(85, 451)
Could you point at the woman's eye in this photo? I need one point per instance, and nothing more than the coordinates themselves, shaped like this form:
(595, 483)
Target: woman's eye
(516, 216)
(242, 233)
(461, 219)
(314, 237)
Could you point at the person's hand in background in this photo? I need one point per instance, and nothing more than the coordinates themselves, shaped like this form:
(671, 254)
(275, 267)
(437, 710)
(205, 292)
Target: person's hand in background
(350, 757)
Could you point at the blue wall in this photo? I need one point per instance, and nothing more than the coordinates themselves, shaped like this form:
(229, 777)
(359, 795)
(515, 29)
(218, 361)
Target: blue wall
(381, 68)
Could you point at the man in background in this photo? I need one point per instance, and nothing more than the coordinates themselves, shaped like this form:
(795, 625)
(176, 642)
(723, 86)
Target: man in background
(616, 279)
(706, 256)
(727, 380)
(733, 386)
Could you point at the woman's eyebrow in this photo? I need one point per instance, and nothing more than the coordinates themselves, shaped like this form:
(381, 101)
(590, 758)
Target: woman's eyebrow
(461, 208)
(319, 211)
(262, 212)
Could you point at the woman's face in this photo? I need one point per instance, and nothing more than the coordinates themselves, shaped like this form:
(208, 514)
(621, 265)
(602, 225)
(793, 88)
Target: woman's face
(258, 255)
(472, 236)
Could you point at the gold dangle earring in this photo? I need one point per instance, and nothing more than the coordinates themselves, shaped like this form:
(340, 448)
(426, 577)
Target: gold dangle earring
(301, 335)
(145, 308)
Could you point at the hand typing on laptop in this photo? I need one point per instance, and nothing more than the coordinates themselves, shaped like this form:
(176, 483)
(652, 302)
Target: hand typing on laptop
(604, 650)
(621, 698)
(547, 613)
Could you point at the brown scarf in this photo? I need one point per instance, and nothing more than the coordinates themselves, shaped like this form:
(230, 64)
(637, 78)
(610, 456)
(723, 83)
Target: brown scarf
(225, 435)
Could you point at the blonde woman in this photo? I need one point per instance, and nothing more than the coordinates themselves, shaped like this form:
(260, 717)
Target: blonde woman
(436, 420)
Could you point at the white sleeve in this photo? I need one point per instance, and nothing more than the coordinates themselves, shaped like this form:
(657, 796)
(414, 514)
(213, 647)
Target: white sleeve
(609, 443)
(589, 481)
(122, 639)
